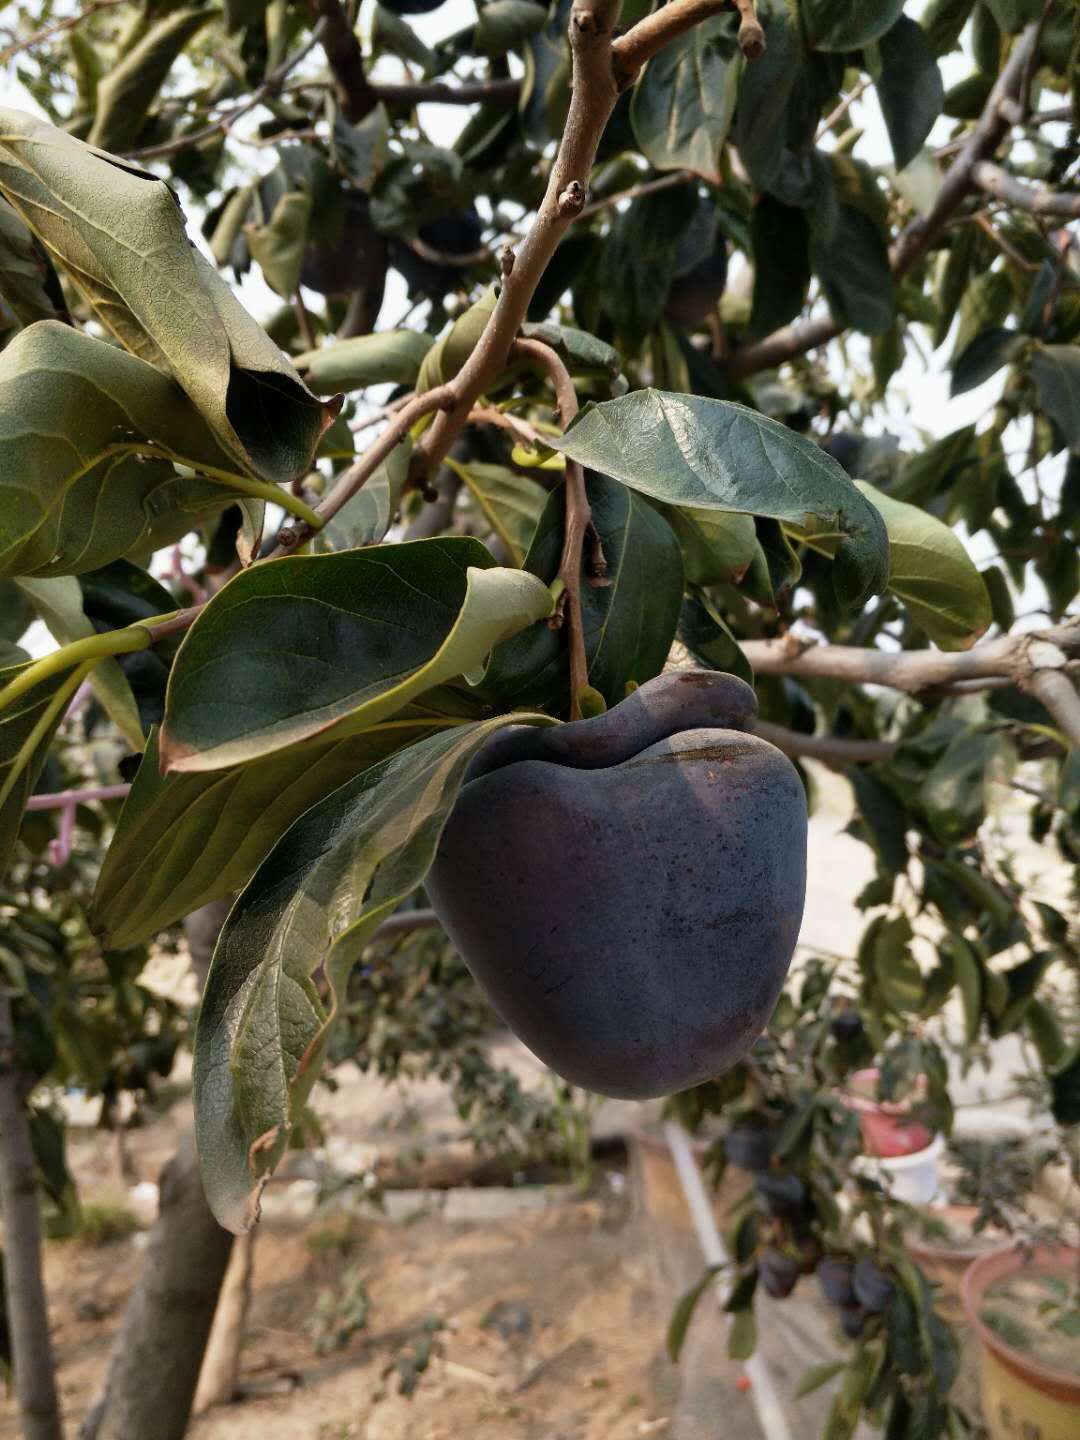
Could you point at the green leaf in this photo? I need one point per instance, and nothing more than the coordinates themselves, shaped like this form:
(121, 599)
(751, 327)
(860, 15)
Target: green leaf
(390, 357)
(944, 21)
(59, 603)
(1056, 372)
(395, 36)
(585, 355)
(983, 357)
(313, 904)
(899, 976)
(1065, 1089)
(446, 357)
(90, 441)
(781, 240)
(639, 259)
(968, 970)
(984, 305)
(935, 468)
(765, 90)
(818, 1375)
(506, 25)
(909, 88)
(712, 454)
(742, 1337)
(684, 101)
(932, 573)
(629, 623)
(683, 1313)
(319, 641)
(847, 25)
(365, 518)
(27, 726)
(954, 793)
(126, 92)
(118, 231)
(278, 246)
(717, 545)
(884, 817)
(184, 840)
(28, 283)
(510, 503)
(705, 633)
(361, 151)
(851, 259)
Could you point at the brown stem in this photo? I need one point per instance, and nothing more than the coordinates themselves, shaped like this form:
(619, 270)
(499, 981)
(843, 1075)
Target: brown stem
(647, 187)
(296, 533)
(578, 523)
(649, 36)
(342, 50)
(303, 320)
(468, 92)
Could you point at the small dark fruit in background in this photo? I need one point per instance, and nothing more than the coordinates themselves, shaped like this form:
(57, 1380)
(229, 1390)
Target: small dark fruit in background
(852, 1321)
(748, 1146)
(783, 1196)
(873, 1288)
(837, 1280)
(846, 1025)
(779, 1272)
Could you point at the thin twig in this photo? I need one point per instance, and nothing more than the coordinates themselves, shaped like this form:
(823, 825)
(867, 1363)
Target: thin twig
(269, 86)
(835, 116)
(50, 30)
(647, 187)
(650, 35)
(578, 520)
(990, 230)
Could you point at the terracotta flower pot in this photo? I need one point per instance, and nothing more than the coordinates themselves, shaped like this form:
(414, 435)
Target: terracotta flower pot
(1020, 1395)
(945, 1262)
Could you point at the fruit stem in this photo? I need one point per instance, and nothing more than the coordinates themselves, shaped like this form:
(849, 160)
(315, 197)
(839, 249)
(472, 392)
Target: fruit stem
(578, 523)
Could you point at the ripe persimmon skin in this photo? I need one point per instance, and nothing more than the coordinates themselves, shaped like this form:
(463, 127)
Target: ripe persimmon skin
(628, 890)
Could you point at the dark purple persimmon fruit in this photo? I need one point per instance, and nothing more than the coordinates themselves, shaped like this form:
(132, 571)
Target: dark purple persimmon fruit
(779, 1272)
(628, 889)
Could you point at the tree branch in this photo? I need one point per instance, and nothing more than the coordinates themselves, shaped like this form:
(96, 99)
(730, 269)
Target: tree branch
(27, 1310)
(1038, 199)
(649, 36)
(438, 92)
(1058, 693)
(355, 93)
(917, 237)
(1014, 659)
(834, 750)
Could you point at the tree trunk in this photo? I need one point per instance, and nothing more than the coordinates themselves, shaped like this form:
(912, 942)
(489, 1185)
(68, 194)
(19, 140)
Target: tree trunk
(158, 1354)
(27, 1313)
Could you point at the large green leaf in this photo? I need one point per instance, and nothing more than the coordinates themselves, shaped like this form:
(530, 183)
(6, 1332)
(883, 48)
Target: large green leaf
(27, 726)
(629, 623)
(848, 24)
(930, 571)
(955, 792)
(118, 231)
(713, 454)
(781, 239)
(716, 544)
(909, 87)
(507, 24)
(392, 356)
(127, 91)
(59, 603)
(765, 91)
(684, 101)
(184, 840)
(851, 259)
(310, 909)
(288, 650)
(1056, 372)
(639, 259)
(90, 441)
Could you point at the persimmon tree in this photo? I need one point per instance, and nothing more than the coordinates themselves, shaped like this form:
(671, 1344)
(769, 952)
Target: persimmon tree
(660, 310)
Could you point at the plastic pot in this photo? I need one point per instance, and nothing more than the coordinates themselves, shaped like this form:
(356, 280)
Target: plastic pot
(887, 1126)
(1020, 1395)
(913, 1178)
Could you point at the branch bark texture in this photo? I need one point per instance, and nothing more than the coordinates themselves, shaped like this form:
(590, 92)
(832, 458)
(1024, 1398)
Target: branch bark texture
(27, 1310)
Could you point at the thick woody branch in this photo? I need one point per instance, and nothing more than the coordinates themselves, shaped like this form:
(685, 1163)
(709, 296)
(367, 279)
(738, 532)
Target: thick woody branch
(1057, 692)
(917, 237)
(833, 750)
(1014, 659)
(649, 36)
(1038, 199)
(438, 92)
(355, 93)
